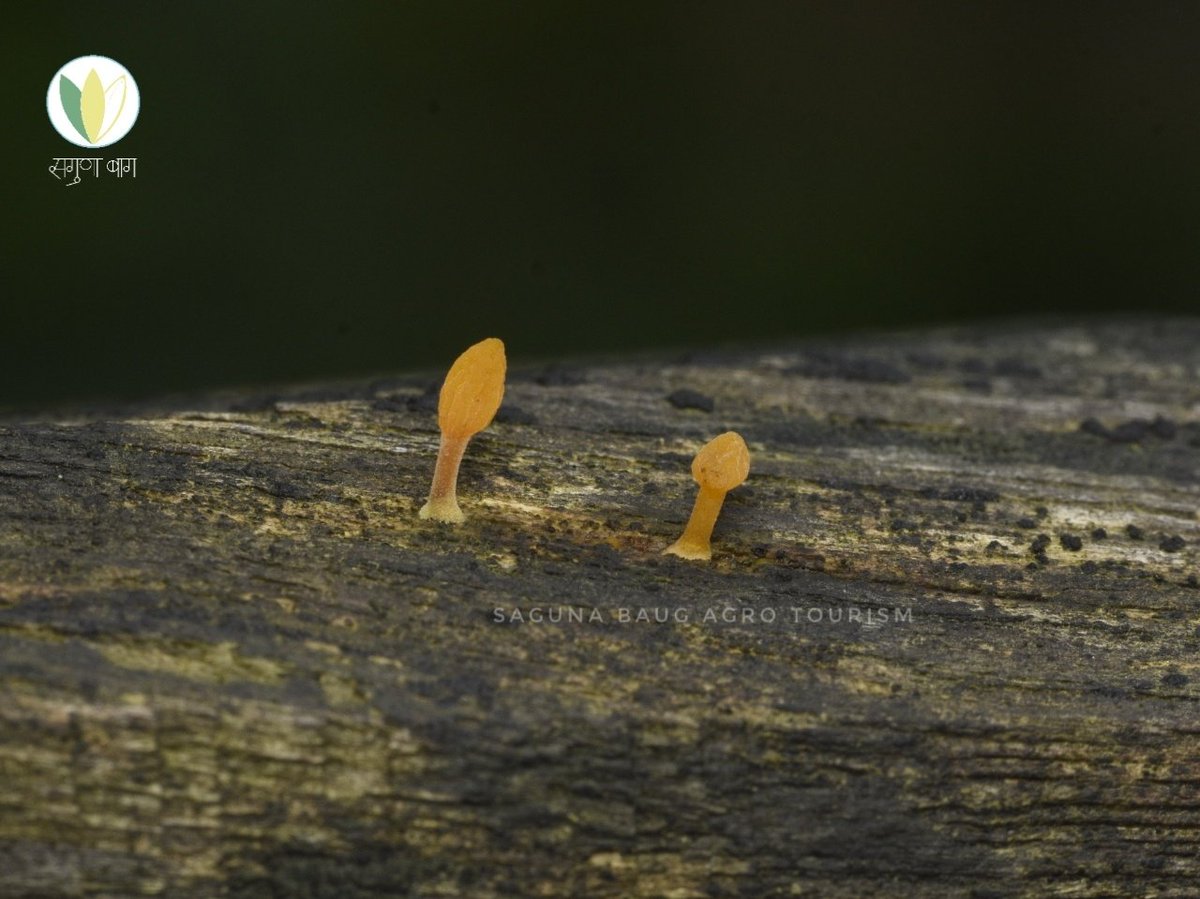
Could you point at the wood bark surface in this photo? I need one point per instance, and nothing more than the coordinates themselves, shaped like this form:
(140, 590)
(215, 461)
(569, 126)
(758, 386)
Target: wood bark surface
(948, 643)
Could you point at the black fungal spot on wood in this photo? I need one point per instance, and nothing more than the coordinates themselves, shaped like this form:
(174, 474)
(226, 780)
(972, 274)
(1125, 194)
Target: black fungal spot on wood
(509, 414)
(427, 400)
(556, 375)
(1015, 367)
(686, 398)
(830, 364)
(257, 403)
(391, 404)
(926, 359)
(1131, 431)
(959, 493)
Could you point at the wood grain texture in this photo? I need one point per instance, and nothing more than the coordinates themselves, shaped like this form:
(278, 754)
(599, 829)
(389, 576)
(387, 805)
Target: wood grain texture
(233, 662)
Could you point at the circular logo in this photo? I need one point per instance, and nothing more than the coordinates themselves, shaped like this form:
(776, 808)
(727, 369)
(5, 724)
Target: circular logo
(93, 101)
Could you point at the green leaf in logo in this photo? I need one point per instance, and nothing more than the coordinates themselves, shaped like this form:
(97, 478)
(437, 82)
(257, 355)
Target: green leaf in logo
(72, 98)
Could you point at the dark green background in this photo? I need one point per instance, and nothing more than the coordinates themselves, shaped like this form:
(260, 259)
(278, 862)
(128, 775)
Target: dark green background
(364, 187)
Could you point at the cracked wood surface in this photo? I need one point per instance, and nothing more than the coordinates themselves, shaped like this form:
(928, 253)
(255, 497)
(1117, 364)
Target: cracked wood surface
(947, 645)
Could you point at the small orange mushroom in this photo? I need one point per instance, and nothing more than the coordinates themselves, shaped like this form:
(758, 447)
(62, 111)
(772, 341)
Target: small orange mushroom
(470, 396)
(721, 464)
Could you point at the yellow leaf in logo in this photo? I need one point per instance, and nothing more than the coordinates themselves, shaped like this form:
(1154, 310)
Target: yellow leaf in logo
(91, 104)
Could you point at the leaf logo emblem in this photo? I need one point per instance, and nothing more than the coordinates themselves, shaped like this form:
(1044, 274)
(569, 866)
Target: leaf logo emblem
(93, 101)
(86, 108)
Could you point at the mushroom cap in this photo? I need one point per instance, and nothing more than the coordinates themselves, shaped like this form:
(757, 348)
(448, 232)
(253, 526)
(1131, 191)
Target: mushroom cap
(473, 389)
(722, 463)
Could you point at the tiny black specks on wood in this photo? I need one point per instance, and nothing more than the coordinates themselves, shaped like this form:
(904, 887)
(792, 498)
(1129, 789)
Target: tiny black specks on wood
(234, 662)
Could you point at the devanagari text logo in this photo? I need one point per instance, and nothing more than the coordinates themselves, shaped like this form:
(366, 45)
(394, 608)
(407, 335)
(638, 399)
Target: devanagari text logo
(93, 101)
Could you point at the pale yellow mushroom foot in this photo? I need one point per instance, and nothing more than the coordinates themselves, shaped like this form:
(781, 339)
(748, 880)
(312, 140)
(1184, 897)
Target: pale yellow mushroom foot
(688, 551)
(447, 511)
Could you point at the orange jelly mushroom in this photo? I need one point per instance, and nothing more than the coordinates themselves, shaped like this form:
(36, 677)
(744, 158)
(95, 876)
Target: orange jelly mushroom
(721, 464)
(470, 396)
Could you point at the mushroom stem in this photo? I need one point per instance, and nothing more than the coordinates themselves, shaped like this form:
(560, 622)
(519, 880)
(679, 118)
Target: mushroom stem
(443, 498)
(694, 543)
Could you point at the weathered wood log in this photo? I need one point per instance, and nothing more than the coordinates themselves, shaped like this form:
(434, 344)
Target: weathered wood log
(947, 645)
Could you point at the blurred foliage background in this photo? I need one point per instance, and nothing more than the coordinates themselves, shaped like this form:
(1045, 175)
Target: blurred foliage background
(345, 188)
